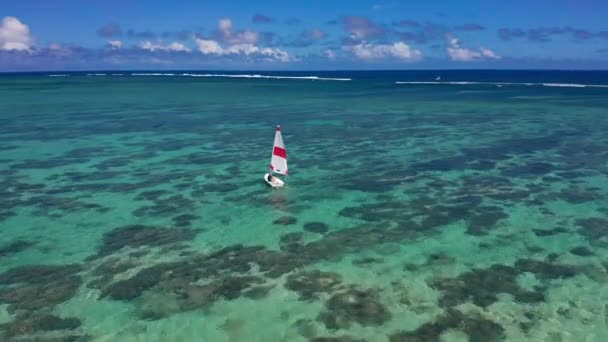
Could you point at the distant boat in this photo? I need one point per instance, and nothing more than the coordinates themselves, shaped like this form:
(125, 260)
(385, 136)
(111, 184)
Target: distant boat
(438, 78)
(278, 161)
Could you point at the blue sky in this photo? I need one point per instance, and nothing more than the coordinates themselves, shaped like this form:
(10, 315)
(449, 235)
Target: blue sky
(293, 35)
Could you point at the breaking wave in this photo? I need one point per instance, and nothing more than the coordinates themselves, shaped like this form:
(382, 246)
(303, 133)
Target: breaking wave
(250, 76)
(500, 84)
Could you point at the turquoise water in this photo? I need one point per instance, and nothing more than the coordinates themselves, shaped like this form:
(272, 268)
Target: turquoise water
(134, 209)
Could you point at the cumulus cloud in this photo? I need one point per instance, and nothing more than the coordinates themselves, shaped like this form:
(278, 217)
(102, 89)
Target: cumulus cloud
(58, 50)
(14, 35)
(175, 46)
(361, 28)
(109, 31)
(115, 44)
(423, 33)
(461, 54)
(226, 34)
(229, 42)
(212, 47)
(330, 54)
(545, 34)
(398, 50)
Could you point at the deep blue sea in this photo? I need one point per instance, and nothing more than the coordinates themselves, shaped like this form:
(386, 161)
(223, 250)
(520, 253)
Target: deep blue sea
(458, 205)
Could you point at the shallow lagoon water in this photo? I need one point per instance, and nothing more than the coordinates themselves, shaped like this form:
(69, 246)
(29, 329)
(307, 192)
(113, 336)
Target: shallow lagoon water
(134, 209)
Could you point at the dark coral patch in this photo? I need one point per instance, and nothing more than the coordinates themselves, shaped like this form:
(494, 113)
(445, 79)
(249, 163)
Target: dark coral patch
(187, 296)
(257, 292)
(50, 205)
(484, 220)
(594, 228)
(342, 338)
(166, 207)
(151, 195)
(184, 220)
(26, 325)
(40, 286)
(285, 220)
(15, 247)
(477, 328)
(5, 214)
(36, 274)
(445, 164)
(200, 280)
(581, 251)
(530, 169)
(435, 259)
(365, 262)
(291, 242)
(309, 285)
(354, 306)
(316, 227)
(549, 232)
(578, 195)
(139, 235)
(545, 270)
(482, 286)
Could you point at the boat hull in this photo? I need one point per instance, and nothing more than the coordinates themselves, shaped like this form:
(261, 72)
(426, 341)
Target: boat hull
(276, 183)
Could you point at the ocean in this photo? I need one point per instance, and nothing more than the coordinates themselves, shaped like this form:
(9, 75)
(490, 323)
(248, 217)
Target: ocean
(458, 205)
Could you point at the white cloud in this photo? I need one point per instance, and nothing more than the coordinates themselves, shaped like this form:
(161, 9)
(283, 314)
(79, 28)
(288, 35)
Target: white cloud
(115, 44)
(209, 47)
(238, 43)
(330, 54)
(458, 53)
(398, 50)
(175, 46)
(225, 25)
(148, 45)
(59, 50)
(14, 35)
(212, 47)
(489, 53)
(226, 34)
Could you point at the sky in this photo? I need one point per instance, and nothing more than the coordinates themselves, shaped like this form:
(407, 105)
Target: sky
(39, 35)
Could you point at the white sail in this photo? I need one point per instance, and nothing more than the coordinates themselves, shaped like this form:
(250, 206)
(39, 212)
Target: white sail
(278, 161)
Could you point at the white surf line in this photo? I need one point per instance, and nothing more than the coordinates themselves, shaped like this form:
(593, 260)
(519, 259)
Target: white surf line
(152, 74)
(269, 77)
(565, 85)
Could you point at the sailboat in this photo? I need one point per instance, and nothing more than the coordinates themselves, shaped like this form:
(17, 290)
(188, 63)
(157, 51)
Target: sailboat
(278, 161)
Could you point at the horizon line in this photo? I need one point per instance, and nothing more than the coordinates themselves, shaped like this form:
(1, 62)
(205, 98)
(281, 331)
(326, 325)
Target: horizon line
(297, 70)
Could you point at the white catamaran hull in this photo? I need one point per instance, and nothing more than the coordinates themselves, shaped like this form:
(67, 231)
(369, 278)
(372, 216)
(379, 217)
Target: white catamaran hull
(276, 183)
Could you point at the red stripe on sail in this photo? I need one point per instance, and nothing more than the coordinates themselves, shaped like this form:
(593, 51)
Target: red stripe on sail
(271, 167)
(278, 128)
(279, 152)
